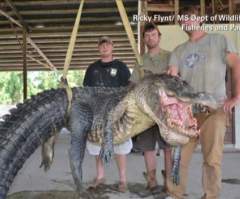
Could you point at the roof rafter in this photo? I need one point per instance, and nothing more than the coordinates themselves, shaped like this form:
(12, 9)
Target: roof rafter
(23, 25)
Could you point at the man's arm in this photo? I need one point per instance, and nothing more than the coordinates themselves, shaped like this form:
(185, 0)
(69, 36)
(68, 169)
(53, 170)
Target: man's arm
(135, 76)
(233, 61)
(124, 74)
(87, 77)
(173, 68)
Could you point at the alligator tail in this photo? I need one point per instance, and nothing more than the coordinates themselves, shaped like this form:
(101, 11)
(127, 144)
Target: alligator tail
(22, 131)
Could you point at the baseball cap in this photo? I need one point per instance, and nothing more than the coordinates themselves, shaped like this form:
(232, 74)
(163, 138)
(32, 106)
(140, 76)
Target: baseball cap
(104, 39)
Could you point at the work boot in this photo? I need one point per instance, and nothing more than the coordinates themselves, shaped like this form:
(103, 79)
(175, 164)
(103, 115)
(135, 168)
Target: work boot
(96, 183)
(151, 180)
(122, 187)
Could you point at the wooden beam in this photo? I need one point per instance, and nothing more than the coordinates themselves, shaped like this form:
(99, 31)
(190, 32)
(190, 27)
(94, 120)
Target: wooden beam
(203, 7)
(128, 29)
(230, 7)
(25, 86)
(38, 61)
(62, 52)
(70, 20)
(176, 10)
(54, 11)
(59, 41)
(37, 68)
(45, 46)
(50, 50)
(29, 40)
(61, 59)
(68, 27)
(10, 18)
(142, 11)
(160, 7)
(90, 54)
(67, 34)
(58, 64)
(33, 44)
(64, 2)
(213, 6)
(14, 9)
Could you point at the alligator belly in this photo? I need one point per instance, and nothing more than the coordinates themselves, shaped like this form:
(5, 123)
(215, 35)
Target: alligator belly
(140, 123)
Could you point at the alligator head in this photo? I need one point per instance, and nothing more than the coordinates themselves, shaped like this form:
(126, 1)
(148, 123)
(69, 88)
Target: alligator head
(171, 103)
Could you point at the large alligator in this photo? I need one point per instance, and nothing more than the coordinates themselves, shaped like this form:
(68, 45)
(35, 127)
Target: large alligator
(105, 116)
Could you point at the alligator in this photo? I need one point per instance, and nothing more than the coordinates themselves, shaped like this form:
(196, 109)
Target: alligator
(104, 116)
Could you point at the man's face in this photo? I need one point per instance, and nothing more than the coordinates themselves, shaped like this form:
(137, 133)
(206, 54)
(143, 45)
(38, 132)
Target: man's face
(105, 49)
(151, 39)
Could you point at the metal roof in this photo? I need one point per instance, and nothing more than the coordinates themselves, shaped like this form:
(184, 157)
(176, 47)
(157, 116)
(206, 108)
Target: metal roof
(50, 24)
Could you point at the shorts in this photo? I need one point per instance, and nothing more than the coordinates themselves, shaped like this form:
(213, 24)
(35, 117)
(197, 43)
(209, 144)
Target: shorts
(120, 149)
(146, 141)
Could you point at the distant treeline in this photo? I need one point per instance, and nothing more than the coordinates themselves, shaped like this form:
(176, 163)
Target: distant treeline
(11, 83)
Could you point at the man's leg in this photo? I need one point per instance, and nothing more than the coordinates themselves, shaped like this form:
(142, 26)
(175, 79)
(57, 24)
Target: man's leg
(99, 168)
(94, 149)
(186, 155)
(121, 151)
(212, 141)
(122, 164)
(151, 164)
(146, 142)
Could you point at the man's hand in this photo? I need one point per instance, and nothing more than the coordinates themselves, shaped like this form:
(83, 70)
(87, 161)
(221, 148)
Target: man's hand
(230, 103)
(172, 70)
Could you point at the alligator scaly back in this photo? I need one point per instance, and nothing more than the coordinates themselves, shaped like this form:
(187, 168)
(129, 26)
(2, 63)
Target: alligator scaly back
(122, 112)
(25, 129)
(31, 123)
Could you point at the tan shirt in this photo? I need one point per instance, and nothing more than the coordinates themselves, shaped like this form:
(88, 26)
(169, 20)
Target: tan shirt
(203, 63)
(155, 64)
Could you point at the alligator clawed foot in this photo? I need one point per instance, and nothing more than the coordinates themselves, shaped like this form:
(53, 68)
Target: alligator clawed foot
(105, 155)
(175, 179)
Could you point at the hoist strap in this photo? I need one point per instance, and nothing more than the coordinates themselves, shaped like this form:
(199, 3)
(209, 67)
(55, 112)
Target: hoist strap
(72, 41)
(64, 82)
(130, 34)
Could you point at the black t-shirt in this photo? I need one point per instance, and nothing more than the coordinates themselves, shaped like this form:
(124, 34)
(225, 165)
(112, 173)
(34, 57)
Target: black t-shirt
(107, 74)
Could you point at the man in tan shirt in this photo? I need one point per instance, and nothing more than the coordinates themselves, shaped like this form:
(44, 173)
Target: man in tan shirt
(154, 61)
(202, 62)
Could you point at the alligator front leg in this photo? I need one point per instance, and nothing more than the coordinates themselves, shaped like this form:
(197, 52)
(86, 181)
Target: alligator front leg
(175, 174)
(107, 144)
(80, 123)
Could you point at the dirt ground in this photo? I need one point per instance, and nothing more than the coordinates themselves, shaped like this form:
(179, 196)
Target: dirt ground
(135, 190)
(33, 183)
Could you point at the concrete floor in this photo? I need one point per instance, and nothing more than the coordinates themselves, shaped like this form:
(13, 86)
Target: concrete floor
(32, 178)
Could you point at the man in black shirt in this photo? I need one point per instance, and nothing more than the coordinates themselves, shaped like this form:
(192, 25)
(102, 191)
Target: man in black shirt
(108, 72)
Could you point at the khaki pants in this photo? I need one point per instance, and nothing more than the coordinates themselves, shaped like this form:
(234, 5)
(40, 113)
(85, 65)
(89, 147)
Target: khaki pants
(212, 144)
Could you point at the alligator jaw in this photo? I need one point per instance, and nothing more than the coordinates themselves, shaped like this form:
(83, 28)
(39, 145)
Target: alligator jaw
(177, 115)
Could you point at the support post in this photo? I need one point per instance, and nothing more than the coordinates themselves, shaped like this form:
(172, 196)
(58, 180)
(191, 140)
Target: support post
(213, 6)
(176, 10)
(230, 6)
(203, 7)
(24, 64)
(142, 11)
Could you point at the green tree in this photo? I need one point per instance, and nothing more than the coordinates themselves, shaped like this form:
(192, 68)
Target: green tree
(11, 83)
(11, 87)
